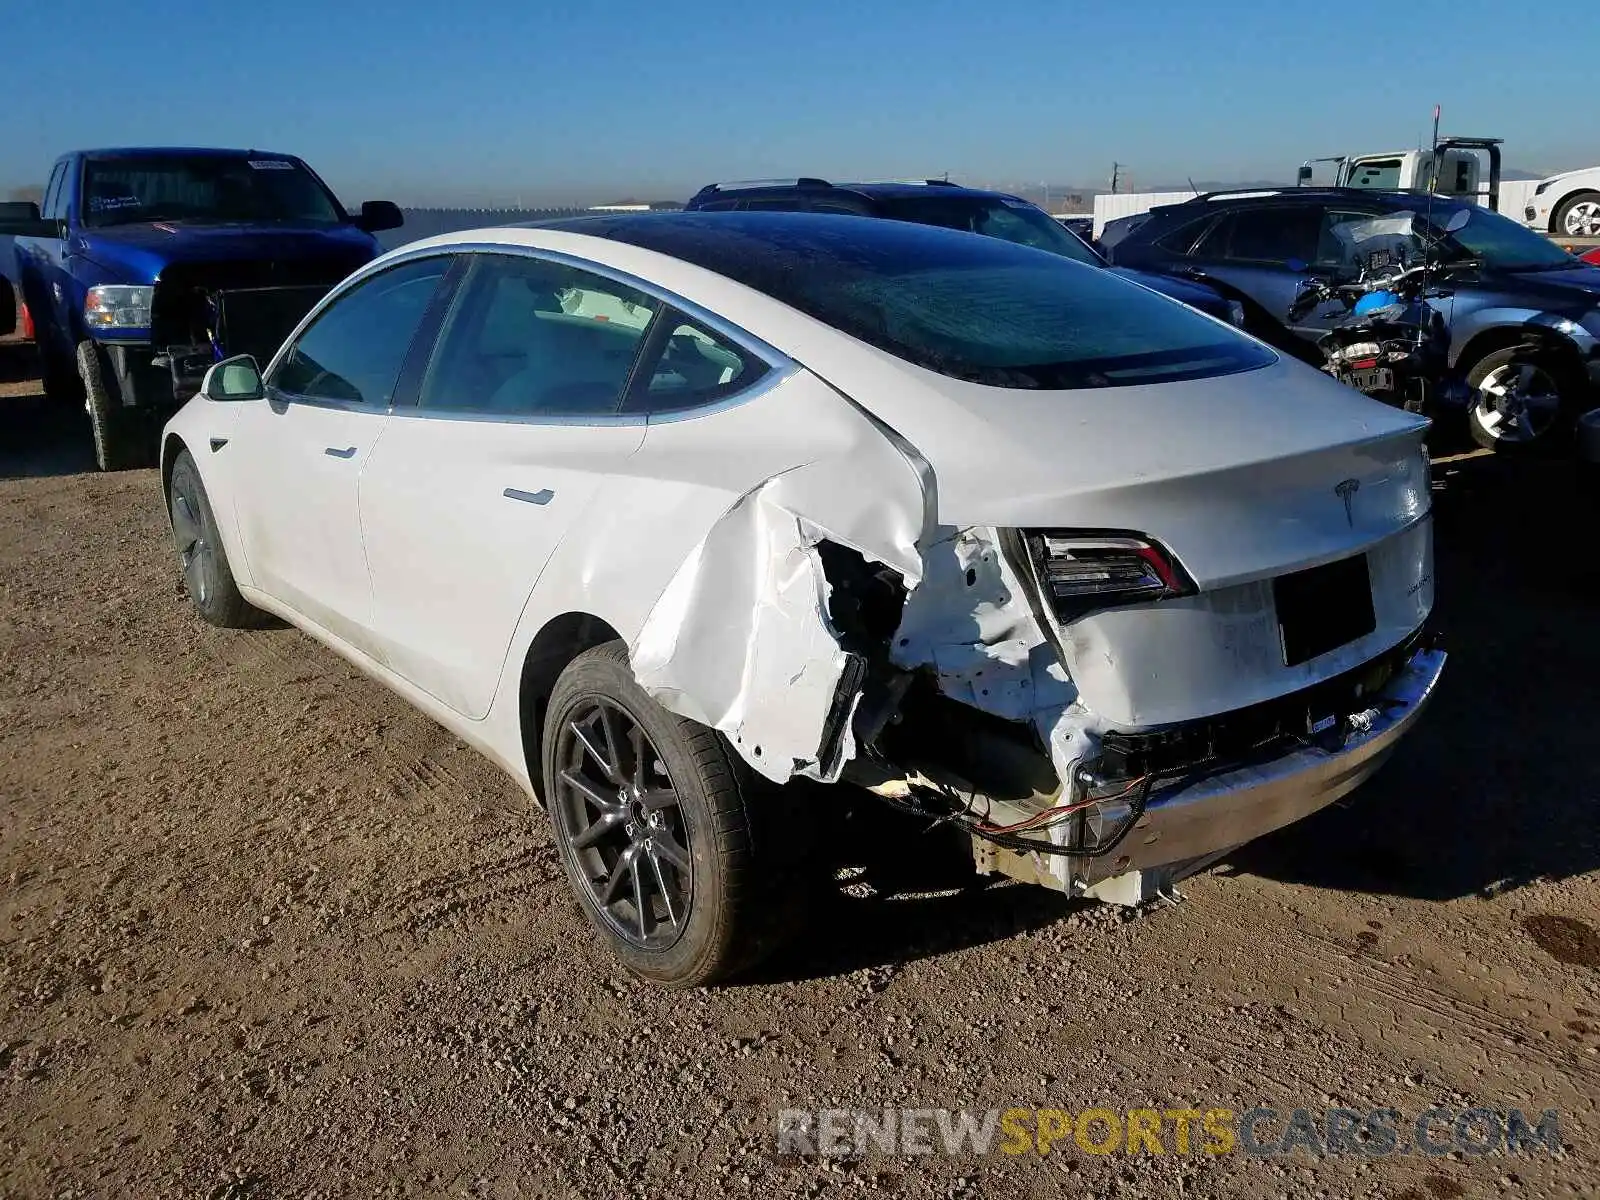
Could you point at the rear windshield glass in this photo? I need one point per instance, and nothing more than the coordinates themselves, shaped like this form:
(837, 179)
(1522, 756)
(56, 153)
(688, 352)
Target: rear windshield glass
(203, 188)
(971, 308)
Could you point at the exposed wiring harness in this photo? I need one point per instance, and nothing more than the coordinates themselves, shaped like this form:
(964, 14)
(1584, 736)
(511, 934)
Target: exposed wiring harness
(1011, 836)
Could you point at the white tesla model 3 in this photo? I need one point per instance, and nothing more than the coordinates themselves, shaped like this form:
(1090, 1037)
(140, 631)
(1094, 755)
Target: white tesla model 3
(663, 511)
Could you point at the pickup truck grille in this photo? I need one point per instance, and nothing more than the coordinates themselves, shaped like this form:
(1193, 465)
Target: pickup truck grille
(257, 320)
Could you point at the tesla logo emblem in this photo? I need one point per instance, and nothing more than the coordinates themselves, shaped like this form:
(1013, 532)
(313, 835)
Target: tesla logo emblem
(1346, 490)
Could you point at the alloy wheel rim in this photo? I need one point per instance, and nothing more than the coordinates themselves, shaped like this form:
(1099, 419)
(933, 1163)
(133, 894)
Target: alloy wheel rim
(622, 824)
(1583, 219)
(194, 548)
(1516, 403)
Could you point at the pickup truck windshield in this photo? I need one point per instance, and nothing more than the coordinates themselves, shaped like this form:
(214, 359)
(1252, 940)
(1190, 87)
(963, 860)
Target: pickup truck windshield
(204, 188)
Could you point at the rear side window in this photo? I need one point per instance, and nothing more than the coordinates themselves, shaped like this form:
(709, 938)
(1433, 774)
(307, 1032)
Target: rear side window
(1269, 235)
(527, 337)
(352, 353)
(1182, 239)
(694, 367)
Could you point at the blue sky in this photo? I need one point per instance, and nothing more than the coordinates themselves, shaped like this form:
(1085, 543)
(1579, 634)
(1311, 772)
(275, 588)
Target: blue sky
(451, 100)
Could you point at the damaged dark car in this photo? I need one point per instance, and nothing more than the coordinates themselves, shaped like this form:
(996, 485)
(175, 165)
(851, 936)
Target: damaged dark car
(146, 266)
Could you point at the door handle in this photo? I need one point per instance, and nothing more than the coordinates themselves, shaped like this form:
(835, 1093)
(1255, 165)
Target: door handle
(350, 452)
(542, 496)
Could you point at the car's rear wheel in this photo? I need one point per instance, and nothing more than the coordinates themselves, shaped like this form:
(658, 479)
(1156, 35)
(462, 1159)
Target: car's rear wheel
(1519, 395)
(1579, 215)
(653, 819)
(201, 555)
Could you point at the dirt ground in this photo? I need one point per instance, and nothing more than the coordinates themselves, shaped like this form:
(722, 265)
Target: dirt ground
(267, 932)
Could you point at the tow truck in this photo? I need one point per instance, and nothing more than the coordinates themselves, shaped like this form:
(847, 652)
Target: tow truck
(1458, 167)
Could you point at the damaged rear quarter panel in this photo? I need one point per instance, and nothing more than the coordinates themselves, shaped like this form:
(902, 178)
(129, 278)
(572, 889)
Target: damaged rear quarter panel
(702, 557)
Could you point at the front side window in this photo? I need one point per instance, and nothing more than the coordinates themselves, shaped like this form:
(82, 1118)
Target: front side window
(527, 337)
(50, 207)
(352, 353)
(1375, 243)
(1493, 240)
(214, 188)
(1381, 173)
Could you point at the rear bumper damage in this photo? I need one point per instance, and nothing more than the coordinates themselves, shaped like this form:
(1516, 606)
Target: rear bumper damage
(1190, 823)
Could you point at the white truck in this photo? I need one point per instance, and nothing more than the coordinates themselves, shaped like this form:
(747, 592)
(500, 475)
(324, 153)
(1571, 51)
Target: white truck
(1459, 167)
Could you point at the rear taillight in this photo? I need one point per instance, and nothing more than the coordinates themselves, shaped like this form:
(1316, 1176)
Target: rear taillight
(1081, 572)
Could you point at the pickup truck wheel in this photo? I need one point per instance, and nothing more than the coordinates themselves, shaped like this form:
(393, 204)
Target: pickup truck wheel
(201, 556)
(117, 444)
(1520, 395)
(1579, 215)
(652, 816)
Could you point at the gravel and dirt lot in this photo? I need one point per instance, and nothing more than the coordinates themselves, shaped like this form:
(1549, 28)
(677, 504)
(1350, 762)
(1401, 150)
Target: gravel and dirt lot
(267, 932)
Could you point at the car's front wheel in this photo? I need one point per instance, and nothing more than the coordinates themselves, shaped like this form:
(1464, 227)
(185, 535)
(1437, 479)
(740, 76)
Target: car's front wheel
(1579, 216)
(201, 555)
(652, 815)
(1519, 395)
(116, 429)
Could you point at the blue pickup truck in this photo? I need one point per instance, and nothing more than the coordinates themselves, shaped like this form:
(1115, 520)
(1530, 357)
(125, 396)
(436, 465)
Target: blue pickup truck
(142, 267)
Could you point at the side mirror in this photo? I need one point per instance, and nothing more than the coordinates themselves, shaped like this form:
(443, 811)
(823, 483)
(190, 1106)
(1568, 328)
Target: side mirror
(1459, 220)
(378, 215)
(1303, 175)
(20, 218)
(237, 378)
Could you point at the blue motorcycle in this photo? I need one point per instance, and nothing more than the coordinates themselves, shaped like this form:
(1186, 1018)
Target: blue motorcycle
(1390, 343)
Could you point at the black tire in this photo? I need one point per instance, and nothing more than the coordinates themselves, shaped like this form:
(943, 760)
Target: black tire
(201, 556)
(1588, 205)
(721, 921)
(117, 430)
(1540, 428)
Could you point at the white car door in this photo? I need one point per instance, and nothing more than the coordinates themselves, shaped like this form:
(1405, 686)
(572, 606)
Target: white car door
(298, 454)
(515, 431)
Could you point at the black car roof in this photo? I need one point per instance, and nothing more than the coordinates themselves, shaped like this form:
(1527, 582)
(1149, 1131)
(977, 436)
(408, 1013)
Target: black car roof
(882, 190)
(1253, 197)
